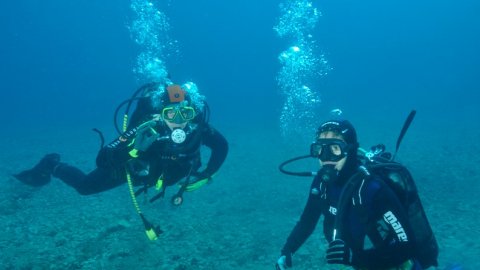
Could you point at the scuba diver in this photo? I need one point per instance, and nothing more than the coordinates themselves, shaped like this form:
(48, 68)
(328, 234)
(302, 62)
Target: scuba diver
(158, 148)
(365, 221)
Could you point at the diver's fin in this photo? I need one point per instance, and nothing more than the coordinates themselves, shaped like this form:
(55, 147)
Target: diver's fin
(33, 178)
(40, 174)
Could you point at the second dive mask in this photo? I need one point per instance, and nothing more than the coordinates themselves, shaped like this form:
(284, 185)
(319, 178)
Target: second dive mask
(329, 149)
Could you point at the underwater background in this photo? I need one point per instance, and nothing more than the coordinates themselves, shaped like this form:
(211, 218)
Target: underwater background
(270, 77)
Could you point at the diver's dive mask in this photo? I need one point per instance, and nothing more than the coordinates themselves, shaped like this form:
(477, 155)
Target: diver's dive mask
(178, 114)
(329, 149)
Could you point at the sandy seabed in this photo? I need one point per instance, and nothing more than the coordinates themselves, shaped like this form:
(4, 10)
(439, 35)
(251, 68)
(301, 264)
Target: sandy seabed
(240, 221)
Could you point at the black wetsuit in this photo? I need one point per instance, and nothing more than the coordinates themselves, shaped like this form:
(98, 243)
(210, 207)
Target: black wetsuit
(375, 225)
(165, 159)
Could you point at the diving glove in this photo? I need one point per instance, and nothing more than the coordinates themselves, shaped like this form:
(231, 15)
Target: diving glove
(146, 136)
(339, 253)
(284, 262)
(198, 181)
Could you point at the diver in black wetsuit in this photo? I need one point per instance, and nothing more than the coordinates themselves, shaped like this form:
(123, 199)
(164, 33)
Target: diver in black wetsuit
(160, 147)
(375, 231)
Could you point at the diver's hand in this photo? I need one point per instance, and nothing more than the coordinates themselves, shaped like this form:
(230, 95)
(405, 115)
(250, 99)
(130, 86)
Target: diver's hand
(145, 136)
(339, 253)
(199, 179)
(284, 262)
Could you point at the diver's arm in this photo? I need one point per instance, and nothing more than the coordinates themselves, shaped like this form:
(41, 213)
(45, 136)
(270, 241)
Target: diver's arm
(118, 152)
(144, 108)
(391, 222)
(142, 113)
(305, 226)
(219, 146)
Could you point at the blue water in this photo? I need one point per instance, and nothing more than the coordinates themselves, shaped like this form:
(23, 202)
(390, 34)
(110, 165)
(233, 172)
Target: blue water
(69, 63)
(404, 53)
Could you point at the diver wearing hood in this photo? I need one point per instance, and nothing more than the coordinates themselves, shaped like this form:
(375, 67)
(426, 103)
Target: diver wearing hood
(160, 147)
(374, 236)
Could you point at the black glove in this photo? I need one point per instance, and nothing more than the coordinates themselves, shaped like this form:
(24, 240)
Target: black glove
(284, 262)
(339, 253)
(146, 135)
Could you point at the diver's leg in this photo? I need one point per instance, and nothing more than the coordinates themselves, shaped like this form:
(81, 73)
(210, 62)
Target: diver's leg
(95, 182)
